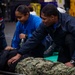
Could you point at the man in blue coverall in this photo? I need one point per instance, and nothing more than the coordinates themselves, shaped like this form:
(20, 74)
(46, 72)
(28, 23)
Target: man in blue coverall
(61, 28)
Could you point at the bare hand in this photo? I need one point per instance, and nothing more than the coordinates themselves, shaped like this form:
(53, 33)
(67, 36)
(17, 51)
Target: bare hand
(8, 48)
(14, 59)
(22, 36)
(69, 64)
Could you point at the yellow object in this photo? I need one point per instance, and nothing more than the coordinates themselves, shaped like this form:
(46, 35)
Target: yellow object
(72, 6)
(60, 1)
(36, 8)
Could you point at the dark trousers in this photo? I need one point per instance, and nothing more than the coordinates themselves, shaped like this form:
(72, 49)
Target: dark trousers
(67, 50)
(4, 56)
(36, 52)
(3, 59)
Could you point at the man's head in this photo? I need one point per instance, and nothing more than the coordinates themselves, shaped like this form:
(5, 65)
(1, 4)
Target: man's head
(49, 15)
(22, 13)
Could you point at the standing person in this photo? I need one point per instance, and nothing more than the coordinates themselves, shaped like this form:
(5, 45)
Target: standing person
(61, 28)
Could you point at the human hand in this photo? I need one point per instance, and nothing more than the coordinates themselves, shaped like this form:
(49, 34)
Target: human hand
(22, 36)
(8, 48)
(14, 59)
(69, 64)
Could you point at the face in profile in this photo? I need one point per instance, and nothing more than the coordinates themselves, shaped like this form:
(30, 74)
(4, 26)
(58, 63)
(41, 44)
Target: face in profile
(48, 20)
(21, 17)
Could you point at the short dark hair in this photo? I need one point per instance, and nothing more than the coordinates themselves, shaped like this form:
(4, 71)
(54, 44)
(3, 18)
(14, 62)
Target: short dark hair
(49, 10)
(23, 9)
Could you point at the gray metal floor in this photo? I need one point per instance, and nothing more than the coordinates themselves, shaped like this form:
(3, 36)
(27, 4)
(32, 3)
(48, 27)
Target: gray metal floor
(9, 31)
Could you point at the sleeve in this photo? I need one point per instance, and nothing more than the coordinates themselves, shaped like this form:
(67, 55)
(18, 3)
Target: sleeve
(33, 41)
(16, 40)
(71, 29)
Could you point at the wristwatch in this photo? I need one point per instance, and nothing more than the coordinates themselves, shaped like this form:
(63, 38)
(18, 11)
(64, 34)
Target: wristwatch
(72, 62)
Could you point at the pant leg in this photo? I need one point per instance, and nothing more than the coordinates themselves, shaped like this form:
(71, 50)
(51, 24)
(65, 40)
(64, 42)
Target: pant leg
(67, 49)
(11, 67)
(3, 59)
(10, 55)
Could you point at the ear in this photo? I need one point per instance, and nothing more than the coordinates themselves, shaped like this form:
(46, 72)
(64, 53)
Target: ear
(52, 17)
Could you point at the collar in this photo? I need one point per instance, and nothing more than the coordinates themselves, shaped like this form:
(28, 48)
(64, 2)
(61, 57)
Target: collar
(58, 23)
